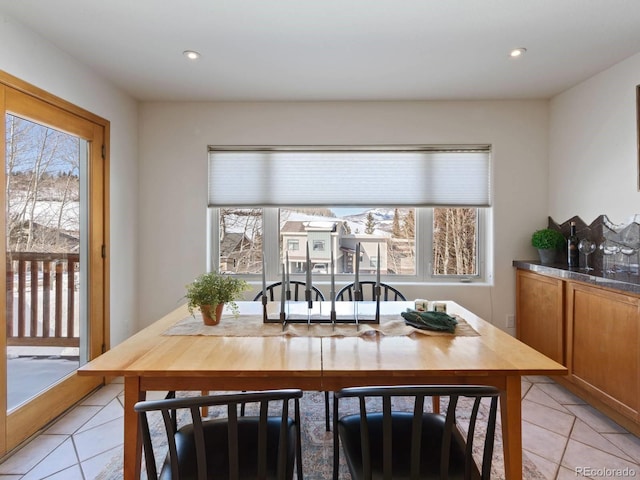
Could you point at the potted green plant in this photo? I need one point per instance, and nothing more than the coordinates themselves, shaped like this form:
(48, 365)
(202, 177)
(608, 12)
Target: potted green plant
(547, 241)
(211, 291)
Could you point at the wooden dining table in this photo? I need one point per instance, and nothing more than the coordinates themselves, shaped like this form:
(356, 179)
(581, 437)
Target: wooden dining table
(153, 360)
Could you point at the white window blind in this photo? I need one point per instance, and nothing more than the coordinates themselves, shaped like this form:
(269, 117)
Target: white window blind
(304, 176)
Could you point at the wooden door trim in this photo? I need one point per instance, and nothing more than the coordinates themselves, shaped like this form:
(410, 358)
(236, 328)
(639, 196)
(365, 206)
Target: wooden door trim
(19, 424)
(40, 94)
(3, 288)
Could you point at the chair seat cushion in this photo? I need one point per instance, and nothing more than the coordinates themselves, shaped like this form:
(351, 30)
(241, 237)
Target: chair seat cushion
(431, 446)
(217, 450)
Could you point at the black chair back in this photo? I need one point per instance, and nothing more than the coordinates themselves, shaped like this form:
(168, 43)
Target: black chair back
(230, 447)
(368, 289)
(297, 292)
(383, 441)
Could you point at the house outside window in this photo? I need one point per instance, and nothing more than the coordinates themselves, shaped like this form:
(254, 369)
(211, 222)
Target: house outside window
(451, 241)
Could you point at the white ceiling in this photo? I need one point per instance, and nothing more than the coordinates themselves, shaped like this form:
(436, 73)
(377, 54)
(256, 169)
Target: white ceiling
(338, 49)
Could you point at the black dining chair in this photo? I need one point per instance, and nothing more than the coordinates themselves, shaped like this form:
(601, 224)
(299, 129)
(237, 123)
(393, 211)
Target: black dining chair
(297, 292)
(390, 436)
(297, 288)
(266, 445)
(367, 287)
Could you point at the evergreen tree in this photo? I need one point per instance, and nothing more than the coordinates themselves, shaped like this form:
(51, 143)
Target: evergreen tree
(370, 226)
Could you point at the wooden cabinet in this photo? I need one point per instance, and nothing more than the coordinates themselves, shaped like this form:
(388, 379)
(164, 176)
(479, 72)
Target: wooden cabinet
(540, 313)
(603, 350)
(593, 331)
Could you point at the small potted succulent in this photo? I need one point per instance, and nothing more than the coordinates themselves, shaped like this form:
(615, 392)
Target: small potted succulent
(211, 291)
(548, 242)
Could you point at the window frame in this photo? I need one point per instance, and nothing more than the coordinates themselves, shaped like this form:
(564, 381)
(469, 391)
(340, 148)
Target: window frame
(424, 249)
(318, 246)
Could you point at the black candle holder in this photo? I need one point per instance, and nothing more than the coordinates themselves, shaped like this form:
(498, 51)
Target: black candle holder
(299, 312)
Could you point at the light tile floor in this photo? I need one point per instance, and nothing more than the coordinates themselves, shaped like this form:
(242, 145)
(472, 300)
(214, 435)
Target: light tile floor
(563, 436)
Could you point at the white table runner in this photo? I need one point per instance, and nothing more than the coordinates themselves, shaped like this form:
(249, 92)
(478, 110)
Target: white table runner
(253, 326)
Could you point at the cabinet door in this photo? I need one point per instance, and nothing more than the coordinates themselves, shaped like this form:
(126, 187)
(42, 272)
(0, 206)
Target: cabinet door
(539, 313)
(603, 352)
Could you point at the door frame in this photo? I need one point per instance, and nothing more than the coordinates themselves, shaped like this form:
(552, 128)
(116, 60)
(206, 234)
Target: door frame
(17, 96)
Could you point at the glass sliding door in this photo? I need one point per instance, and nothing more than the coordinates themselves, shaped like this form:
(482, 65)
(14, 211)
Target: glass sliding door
(54, 221)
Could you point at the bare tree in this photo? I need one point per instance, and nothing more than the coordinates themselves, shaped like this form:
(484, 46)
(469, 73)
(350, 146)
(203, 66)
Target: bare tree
(409, 224)
(454, 241)
(396, 231)
(401, 250)
(42, 190)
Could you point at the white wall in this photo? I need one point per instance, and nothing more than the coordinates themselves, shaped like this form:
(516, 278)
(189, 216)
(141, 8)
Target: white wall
(588, 135)
(27, 56)
(593, 147)
(173, 178)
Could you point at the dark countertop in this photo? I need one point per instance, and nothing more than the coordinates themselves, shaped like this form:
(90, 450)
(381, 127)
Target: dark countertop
(622, 282)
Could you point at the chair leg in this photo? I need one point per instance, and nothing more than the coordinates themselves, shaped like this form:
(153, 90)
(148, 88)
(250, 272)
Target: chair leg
(242, 406)
(204, 411)
(327, 416)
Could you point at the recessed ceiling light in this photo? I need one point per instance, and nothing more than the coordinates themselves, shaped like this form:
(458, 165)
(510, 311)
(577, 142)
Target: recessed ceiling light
(517, 52)
(191, 54)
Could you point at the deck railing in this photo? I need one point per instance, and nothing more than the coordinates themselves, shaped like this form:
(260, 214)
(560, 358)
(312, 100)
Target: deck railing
(41, 299)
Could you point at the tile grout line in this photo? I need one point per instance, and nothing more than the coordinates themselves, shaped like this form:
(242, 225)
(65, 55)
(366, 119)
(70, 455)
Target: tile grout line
(43, 459)
(566, 444)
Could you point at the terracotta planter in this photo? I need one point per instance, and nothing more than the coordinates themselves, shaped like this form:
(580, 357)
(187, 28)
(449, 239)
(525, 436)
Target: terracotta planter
(211, 319)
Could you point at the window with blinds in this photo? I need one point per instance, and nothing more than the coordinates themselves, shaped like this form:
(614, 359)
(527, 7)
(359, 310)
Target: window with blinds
(423, 205)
